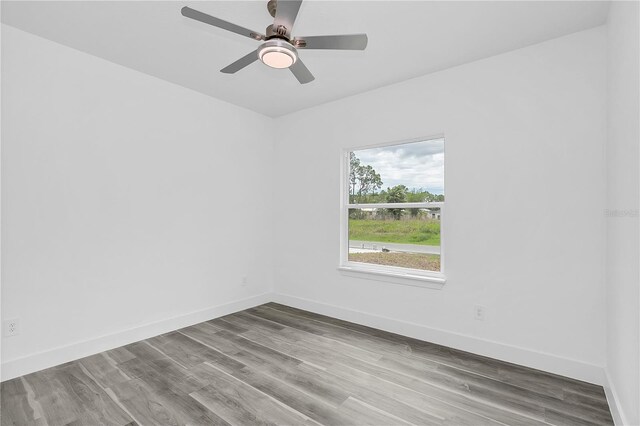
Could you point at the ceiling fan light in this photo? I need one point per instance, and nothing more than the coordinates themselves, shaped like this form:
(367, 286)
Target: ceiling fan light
(277, 54)
(276, 59)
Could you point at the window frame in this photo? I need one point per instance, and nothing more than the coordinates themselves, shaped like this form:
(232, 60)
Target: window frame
(393, 274)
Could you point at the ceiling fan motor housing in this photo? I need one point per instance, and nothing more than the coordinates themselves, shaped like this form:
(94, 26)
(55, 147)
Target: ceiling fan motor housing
(277, 32)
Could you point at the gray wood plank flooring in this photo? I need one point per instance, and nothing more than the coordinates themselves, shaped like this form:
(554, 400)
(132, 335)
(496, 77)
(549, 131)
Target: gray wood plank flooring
(276, 365)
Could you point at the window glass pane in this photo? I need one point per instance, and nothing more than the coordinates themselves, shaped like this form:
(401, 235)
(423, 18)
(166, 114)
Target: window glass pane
(407, 238)
(412, 172)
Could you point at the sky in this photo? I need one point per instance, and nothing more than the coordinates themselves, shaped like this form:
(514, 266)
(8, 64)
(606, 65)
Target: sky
(415, 165)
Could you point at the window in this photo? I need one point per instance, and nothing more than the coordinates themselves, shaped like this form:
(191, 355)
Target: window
(392, 211)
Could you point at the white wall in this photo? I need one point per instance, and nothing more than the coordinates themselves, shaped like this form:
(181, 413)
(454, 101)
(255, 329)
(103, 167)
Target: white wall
(127, 202)
(524, 228)
(623, 276)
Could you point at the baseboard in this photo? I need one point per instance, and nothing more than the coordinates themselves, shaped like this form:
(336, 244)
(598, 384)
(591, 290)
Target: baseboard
(39, 361)
(619, 418)
(517, 355)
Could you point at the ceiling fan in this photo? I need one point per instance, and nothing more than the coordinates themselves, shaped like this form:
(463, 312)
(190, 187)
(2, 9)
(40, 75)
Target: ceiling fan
(279, 49)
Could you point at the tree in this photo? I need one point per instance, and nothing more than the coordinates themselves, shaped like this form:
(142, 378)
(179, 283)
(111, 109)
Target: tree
(397, 194)
(433, 197)
(354, 165)
(369, 181)
(417, 196)
(363, 180)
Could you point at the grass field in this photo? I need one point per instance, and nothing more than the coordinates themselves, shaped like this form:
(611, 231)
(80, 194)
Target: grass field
(423, 232)
(427, 262)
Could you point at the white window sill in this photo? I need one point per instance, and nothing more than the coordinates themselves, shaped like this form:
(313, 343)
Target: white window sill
(405, 278)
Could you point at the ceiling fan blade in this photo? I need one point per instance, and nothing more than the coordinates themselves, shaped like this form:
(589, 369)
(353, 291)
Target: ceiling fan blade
(241, 63)
(337, 42)
(301, 72)
(217, 22)
(286, 12)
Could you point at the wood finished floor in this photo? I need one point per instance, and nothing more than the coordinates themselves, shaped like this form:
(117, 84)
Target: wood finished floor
(277, 365)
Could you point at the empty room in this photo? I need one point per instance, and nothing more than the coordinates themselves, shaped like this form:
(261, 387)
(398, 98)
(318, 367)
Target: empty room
(315, 212)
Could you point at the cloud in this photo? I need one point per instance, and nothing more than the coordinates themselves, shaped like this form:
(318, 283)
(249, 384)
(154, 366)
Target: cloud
(415, 165)
(417, 150)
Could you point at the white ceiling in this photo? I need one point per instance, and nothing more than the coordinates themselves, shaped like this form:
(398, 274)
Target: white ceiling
(406, 39)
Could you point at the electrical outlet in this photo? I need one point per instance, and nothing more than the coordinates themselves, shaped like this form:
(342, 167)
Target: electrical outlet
(478, 312)
(11, 327)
